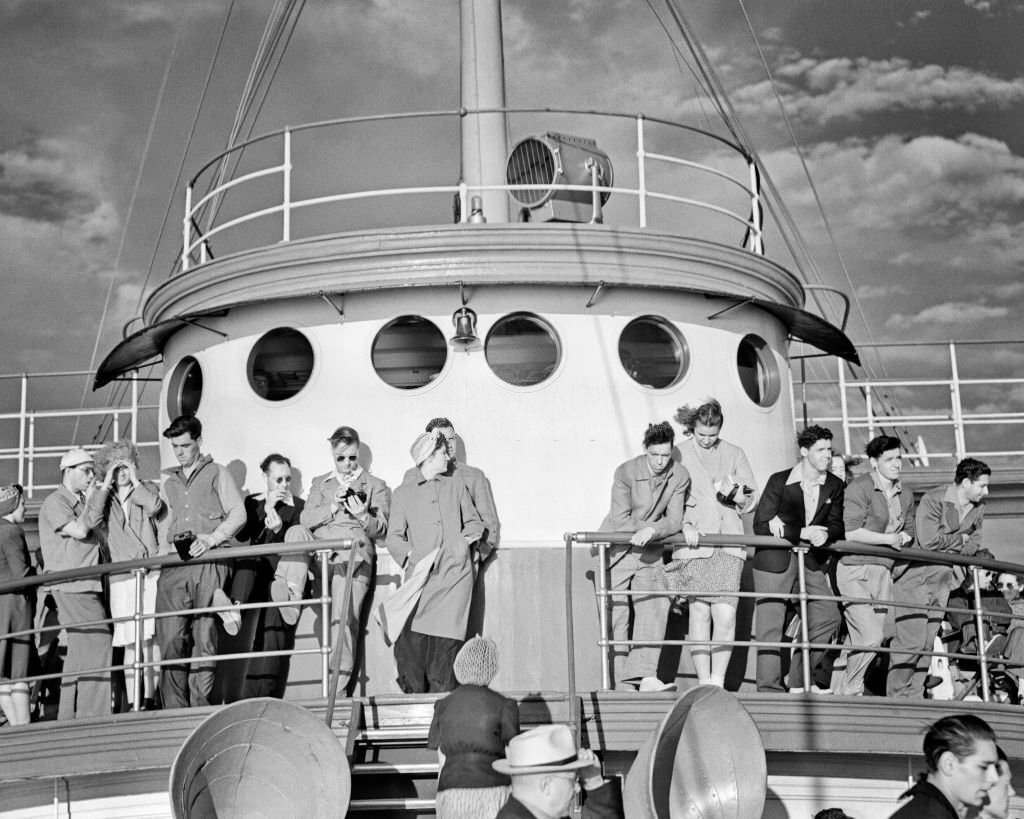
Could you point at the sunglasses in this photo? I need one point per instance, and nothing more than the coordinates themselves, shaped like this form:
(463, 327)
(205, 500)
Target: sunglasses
(1006, 585)
(283, 479)
(341, 458)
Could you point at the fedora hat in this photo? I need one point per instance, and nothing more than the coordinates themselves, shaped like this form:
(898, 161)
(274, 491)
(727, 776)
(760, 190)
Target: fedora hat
(545, 749)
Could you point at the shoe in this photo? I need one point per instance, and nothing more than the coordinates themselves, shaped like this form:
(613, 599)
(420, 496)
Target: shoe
(230, 617)
(815, 689)
(280, 592)
(653, 684)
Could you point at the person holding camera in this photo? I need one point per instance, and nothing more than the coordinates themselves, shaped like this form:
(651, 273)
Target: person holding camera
(206, 511)
(722, 488)
(347, 503)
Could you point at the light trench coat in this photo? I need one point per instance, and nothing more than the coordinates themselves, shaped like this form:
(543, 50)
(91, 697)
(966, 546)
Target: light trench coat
(705, 512)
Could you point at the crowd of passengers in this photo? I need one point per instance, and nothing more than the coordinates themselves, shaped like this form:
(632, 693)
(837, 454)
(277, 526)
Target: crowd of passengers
(441, 524)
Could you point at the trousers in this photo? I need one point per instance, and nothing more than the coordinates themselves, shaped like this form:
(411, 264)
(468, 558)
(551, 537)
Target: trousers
(637, 570)
(84, 694)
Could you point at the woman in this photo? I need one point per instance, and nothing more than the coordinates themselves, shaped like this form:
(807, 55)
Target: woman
(962, 760)
(470, 729)
(15, 607)
(722, 488)
(131, 516)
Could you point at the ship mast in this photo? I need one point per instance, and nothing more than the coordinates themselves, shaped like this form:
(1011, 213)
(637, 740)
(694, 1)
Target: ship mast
(483, 87)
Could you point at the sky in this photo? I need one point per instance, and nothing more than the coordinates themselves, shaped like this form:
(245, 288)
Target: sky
(908, 114)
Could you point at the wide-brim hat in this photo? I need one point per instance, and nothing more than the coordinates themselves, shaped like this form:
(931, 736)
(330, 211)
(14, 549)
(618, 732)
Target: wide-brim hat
(545, 749)
(75, 457)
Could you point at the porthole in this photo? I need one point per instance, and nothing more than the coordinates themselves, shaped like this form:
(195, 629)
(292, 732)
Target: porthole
(758, 370)
(653, 352)
(409, 352)
(280, 364)
(185, 388)
(522, 349)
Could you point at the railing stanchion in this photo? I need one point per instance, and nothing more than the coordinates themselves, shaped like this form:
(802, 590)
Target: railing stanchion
(286, 201)
(805, 650)
(140, 604)
(958, 409)
(343, 621)
(602, 612)
(21, 429)
(570, 641)
(30, 483)
(843, 408)
(135, 406)
(324, 556)
(641, 173)
(463, 202)
(979, 626)
(186, 239)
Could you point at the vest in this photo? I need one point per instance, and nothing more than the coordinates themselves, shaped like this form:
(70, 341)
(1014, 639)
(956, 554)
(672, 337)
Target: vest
(194, 503)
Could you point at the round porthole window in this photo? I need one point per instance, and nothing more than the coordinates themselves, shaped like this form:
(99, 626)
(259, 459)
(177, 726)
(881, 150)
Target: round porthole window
(280, 364)
(409, 352)
(522, 349)
(653, 352)
(185, 388)
(758, 370)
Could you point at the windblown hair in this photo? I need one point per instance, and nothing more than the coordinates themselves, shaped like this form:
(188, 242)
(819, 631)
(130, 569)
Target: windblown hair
(182, 424)
(343, 435)
(881, 444)
(273, 458)
(709, 414)
(114, 451)
(972, 469)
(438, 423)
(810, 436)
(957, 734)
(659, 434)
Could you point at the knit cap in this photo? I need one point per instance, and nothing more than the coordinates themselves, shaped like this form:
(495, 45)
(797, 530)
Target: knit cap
(477, 662)
(10, 497)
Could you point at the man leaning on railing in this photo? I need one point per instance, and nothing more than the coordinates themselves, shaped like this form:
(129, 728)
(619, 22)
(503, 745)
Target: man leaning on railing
(948, 519)
(206, 511)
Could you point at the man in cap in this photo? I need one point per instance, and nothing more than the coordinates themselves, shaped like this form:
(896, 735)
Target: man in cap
(546, 771)
(69, 538)
(206, 511)
(433, 519)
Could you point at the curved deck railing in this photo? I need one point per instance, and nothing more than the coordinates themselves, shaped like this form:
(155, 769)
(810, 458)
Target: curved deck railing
(602, 541)
(321, 549)
(653, 177)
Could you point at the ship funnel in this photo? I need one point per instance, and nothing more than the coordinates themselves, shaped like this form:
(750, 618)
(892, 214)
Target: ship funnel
(261, 758)
(705, 761)
(551, 161)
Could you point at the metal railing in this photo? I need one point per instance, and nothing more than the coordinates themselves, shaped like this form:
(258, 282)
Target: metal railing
(912, 406)
(603, 541)
(282, 206)
(322, 549)
(34, 446)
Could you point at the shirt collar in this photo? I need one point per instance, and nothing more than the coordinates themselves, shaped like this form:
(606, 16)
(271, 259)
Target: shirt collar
(351, 478)
(796, 475)
(287, 500)
(886, 486)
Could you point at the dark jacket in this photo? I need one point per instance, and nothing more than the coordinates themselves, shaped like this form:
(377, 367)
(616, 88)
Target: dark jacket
(787, 501)
(927, 802)
(601, 803)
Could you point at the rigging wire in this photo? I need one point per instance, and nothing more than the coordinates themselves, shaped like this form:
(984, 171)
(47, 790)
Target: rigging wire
(128, 213)
(817, 199)
(121, 390)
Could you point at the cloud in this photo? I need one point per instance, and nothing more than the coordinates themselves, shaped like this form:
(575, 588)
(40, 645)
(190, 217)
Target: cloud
(883, 291)
(844, 88)
(950, 312)
(38, 183)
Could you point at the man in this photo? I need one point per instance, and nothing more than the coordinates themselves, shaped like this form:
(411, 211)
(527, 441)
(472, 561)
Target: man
(206, 511)
(433, 523)
(949, 520)
(997, 805)
(649, 498)
(546, 772)
(69, 538)
(347, 503)
(269, 516)
(1010, 587)
(476, 482)
(803, 505)
(876, 512)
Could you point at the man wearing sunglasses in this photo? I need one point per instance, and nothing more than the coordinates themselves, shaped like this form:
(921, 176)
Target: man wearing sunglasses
(69, 538)
(347, 503)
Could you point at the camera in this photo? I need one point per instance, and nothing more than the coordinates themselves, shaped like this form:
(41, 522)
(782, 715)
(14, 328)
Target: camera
(350, 492)
(182, 541)
(729, 498)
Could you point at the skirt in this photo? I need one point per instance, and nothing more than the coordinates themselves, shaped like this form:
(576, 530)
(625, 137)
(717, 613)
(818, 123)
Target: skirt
(471, 803)
(705, 578)
(15, 652)
(122, 604)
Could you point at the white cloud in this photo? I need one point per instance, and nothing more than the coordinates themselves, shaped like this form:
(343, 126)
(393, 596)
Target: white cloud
(950, 312)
